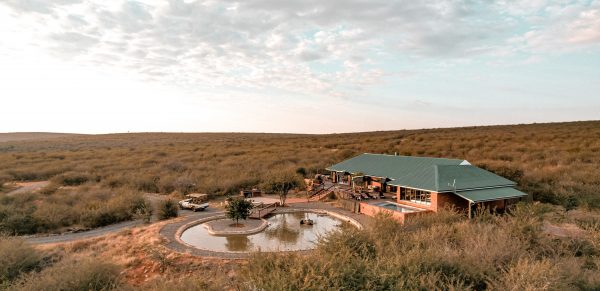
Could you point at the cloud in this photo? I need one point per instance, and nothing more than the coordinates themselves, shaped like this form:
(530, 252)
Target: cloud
(558, 27)
(293, 46)
(585, 28)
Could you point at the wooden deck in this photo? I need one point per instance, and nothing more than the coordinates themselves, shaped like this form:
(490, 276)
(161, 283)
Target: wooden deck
(263, 211)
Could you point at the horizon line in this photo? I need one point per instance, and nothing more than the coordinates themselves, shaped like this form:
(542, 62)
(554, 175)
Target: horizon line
(300, 133)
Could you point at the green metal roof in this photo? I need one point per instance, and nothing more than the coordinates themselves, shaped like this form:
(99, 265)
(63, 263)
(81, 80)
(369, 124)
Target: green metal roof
(491, 194)
(433, 174)
(449, 178)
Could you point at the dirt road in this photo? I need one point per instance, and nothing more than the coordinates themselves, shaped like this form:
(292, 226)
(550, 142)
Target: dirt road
(69, 237)
(25, 187)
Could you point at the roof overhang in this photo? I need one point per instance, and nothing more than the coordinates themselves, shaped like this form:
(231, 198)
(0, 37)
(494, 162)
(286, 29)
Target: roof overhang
(491, 194)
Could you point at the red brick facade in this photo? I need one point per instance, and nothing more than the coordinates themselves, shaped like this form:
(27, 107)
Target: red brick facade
(372, 210)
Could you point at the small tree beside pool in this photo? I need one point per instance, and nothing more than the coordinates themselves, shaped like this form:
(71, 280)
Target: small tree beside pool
(237, 209)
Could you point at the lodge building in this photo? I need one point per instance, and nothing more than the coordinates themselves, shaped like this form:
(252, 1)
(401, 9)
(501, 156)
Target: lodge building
(426, 183)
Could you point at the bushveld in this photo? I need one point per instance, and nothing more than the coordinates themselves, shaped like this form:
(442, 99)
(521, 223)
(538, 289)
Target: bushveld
(553, 162)
(432, 252)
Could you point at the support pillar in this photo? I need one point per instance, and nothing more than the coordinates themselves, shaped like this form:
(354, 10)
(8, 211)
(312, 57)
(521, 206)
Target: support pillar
(470, 210)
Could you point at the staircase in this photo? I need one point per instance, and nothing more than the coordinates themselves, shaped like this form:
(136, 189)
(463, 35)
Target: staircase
(321, 193)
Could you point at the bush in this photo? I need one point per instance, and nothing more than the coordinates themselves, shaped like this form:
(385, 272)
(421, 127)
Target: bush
(18, 221)
(184, 185)
(71, 274)
(188, 283)
(17, 258)
(167, 209)
(147, 184)
(71, 179)
(434, 252)
(33, 213)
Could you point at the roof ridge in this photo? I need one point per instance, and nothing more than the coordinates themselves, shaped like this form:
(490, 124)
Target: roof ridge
(416, 157)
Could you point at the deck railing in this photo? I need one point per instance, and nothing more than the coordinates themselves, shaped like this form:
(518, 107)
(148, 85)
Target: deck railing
(350, 194)
(321, 191)
(264, 210)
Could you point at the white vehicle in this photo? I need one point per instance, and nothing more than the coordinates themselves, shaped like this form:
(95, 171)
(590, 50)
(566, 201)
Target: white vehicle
(194, 202)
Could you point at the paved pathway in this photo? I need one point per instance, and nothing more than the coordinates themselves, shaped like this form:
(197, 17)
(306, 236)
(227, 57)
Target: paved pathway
(169, 231)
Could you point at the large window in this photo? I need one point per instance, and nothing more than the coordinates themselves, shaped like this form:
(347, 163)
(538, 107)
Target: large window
(415, 196)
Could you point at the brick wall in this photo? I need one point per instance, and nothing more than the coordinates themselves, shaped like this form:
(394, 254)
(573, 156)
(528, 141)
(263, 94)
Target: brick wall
(372, 210)
(448, 200)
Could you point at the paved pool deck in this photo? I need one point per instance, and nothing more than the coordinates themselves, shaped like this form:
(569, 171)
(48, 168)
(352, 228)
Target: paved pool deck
(227, 226)
(172, 231)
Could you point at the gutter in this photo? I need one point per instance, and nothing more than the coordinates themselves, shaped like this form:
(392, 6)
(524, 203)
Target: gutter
(488, 200)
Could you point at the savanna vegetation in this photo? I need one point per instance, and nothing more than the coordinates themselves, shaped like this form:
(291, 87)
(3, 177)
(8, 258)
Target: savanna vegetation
(167, 209)
(432, 252)
(556, 163)
(441, 252)
(64, 209)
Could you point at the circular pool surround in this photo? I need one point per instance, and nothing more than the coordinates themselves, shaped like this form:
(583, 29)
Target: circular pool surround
(223, 227)
(280, 231)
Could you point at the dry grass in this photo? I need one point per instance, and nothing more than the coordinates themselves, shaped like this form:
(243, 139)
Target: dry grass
(439, 252)
(20, 136)
(442, 251)
(550, 161)
(435, 252)
(146, 263)
(85, 207)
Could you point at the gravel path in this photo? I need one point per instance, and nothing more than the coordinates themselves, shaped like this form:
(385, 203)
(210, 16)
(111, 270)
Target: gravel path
(68, 237)
(169, 231)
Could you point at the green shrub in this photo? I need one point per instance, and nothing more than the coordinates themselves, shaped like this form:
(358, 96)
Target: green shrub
(238, 208)
(167, 209)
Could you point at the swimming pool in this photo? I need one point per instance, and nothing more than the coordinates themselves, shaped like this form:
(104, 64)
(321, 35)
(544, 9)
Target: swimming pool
(396, 207)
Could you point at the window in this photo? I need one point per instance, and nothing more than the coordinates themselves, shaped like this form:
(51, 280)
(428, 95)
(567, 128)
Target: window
(415, 196)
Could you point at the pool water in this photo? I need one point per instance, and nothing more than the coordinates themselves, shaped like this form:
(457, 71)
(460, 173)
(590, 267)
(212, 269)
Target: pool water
(396, 207)
(284, 233)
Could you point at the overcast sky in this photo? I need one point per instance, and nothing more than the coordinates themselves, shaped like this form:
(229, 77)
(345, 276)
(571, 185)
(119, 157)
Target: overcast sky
(295, 66)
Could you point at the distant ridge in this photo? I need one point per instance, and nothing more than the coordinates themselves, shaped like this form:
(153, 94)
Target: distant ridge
(21, 136)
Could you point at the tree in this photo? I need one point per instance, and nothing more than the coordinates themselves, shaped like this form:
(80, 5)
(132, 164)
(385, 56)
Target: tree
(282, 183)
(237, 209)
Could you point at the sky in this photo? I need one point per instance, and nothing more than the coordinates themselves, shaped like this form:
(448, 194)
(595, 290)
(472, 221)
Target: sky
(302, 66)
